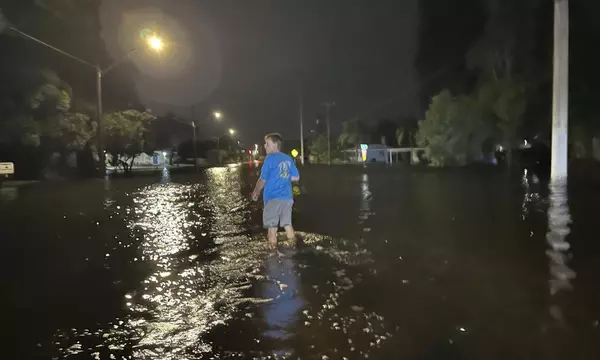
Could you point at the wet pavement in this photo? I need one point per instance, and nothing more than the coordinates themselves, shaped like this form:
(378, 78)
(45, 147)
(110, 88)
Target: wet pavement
(391, 264)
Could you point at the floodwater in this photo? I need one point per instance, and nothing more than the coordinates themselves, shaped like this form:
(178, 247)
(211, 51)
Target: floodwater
(391, 264)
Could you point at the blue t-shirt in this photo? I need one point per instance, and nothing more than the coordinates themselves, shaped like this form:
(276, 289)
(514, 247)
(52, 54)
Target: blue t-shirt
(277, 172)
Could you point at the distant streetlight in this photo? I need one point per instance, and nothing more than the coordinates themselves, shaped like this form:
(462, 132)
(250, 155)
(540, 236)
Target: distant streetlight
(154, 42)
(217, 115)
(231, 131)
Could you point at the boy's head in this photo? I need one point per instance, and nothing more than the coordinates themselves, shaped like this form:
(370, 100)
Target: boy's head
(273, 143)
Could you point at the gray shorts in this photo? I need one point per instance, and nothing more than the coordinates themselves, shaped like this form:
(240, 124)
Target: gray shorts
(277, 213)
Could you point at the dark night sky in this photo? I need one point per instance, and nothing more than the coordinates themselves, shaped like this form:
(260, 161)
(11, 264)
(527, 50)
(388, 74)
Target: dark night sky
(246, 57)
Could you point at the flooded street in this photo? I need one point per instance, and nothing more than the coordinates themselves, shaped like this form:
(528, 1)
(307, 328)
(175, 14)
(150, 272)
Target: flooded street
(390, 264)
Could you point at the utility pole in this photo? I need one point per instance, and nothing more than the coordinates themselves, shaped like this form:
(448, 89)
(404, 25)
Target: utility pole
(299, 77)
(559, 217)
(154, 42)
(5, 25)
(301, 127)
(328, 106)
(195, 145)
(100, 131)
(560, 94)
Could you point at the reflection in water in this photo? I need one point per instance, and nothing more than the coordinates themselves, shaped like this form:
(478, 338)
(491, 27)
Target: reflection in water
(109, 202)
(198, 270)
(8, 193)
(531, 194)
(185, 298)
(525, 184)
(223, 198)
(365, 201)
(346, 328)
(559, 220)
(170, 295)
(193, 282)
(182, 274)
(165, 176)
(282, 286)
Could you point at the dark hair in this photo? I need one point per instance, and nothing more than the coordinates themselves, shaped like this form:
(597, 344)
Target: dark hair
(276, 138)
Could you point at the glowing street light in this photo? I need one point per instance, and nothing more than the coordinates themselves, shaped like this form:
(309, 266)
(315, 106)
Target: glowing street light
(156, 43)
(231, 132)
(218, 115)
(153, 41)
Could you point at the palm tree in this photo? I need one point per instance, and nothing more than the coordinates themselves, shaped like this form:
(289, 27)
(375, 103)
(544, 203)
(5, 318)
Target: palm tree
(353, 134)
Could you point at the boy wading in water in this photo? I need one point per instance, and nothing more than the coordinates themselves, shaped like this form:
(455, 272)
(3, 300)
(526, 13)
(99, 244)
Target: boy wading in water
(277, 173)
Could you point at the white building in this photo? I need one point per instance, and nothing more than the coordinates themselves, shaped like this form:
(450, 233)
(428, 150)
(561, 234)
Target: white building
(379, 153)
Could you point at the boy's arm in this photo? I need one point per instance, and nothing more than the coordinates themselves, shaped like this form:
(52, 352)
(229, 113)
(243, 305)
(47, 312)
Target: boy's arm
(260, 184)
(295, 174)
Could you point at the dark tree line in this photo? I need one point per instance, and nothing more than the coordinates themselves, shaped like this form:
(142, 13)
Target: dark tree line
(486, 74)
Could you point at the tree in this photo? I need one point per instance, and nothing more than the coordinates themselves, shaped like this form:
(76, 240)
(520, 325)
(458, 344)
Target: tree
(386, 131)
(436, 133)
(509, 107)
(318, 149)
(46, 116)
(43, 117)
(51, 105)
(447, 28)
(454, 129)
(584, 75)
(50, 20)
(353, 134)
(126, 136)
(405, 136)
(505, 49)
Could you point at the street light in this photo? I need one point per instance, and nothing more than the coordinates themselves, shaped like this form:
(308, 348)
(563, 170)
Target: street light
(215, 114)
(154, 42)
(231, 132)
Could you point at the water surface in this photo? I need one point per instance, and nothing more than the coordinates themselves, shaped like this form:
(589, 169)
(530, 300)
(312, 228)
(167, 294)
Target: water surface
(392, 264)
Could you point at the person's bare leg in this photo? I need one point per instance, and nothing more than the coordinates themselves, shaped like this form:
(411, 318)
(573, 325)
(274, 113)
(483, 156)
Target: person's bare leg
(289, 232)
(272, 237)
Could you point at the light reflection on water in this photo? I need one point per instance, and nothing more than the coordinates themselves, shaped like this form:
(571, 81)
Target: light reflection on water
(365, 201)
(8, 193)
(558, 254)
(169, 294)
(201, 263)
(223, 196)
(559, 220)
(187, 297)
(189, 262)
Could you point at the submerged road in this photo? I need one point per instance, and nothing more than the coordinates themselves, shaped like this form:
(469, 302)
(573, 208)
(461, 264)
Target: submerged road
(391, 264)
